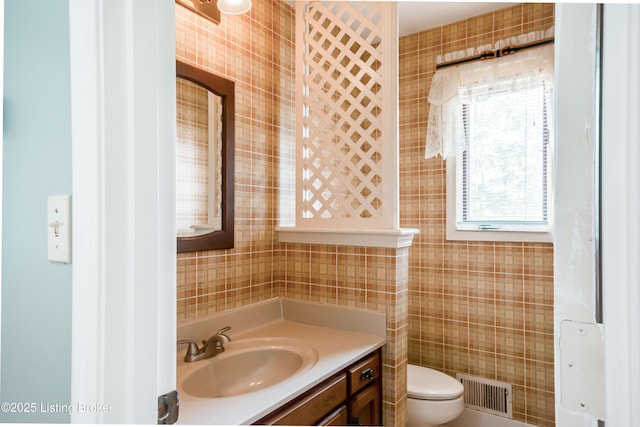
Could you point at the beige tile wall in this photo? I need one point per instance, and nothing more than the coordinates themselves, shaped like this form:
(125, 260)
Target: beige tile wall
(480, 308)
(256, 51)
(369, 278)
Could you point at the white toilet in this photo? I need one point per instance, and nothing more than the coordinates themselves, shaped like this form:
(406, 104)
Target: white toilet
(434, 398)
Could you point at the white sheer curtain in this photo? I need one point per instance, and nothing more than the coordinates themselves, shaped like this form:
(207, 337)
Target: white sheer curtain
(474, 81)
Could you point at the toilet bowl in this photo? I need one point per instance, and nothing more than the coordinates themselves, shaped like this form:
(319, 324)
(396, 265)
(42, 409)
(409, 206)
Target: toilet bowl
(433, 398)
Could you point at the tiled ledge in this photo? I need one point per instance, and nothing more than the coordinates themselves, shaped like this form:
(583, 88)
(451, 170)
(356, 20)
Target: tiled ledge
(390, 238)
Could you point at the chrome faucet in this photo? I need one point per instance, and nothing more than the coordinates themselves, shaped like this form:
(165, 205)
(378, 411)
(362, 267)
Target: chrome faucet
(211, 347)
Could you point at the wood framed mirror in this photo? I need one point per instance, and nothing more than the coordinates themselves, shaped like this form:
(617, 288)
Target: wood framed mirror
(204, 160)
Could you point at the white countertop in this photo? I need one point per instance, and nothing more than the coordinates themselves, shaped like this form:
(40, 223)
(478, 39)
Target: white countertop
(336, 348)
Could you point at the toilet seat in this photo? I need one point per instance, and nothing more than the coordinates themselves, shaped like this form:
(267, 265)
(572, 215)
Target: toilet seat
(428, 384)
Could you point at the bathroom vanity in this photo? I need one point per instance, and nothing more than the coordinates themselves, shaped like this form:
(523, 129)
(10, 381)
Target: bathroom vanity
(351, 397)
(288, 362)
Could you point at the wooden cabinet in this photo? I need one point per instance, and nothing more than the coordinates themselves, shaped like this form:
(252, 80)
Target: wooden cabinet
(339, 417)
(350, 397)
(365, 391)
(312, 406)
(364, 407)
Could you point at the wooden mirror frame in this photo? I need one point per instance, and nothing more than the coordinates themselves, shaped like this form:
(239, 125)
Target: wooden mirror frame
(220, 239)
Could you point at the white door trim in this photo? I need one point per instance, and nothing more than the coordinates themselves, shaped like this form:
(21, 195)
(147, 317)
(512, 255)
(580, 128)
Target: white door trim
(621, 211)
(123, 97)
(1, 149)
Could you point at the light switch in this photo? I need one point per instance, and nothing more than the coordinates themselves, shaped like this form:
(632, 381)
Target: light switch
(59, 228)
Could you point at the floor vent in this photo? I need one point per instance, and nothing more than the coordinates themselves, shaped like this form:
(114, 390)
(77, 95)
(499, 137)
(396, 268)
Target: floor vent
(493, 397)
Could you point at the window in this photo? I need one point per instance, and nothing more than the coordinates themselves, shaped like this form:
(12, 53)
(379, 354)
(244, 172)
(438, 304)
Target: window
(503, 177)
(491, 120)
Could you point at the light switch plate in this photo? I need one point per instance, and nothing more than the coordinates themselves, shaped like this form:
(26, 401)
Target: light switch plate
(59, 228)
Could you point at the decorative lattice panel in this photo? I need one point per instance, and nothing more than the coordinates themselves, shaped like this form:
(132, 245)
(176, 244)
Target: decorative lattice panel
(341, 126)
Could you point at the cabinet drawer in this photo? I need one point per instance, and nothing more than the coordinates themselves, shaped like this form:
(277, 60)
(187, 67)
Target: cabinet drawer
(365, 372)
(308, 408)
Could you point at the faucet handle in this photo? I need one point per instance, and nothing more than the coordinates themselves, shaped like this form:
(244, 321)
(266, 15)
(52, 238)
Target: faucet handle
(221, 333)
(223, 330)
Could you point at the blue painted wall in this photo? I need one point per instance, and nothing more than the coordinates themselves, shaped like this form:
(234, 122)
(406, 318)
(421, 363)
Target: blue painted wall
(36, 294)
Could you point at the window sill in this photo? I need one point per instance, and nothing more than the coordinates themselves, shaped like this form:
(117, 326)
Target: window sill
(396, 238)
(500, 236)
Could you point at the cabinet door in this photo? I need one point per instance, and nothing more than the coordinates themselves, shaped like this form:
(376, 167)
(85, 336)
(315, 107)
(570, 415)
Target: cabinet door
(364, 408)
(339, 418)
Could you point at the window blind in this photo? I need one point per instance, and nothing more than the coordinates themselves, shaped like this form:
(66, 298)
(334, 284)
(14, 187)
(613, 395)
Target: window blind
(504, 170)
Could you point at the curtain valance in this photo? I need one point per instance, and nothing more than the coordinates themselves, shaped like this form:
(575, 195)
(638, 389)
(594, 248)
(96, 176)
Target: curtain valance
(474, 81)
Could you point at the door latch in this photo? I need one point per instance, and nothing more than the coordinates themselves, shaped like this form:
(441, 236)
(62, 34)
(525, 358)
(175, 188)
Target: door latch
(168, 408)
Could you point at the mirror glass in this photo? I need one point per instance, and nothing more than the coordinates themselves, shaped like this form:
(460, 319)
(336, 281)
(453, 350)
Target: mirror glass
(204, 159)
(198, 159)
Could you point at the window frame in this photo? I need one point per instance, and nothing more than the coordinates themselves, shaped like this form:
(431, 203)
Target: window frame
(519, 232)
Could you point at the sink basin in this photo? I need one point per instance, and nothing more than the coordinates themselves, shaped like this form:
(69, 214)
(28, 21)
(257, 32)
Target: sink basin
(249, 365)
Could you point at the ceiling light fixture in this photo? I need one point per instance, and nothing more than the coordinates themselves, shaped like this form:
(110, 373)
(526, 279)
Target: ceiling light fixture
(234, 7)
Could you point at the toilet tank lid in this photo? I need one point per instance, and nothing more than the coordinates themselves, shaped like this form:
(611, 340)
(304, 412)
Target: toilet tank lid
(429, 384)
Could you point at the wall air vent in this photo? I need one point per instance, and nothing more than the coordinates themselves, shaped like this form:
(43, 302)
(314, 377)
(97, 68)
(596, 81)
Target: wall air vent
(493, 397)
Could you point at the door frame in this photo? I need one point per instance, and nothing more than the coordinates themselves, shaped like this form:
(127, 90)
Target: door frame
(124, 246)
(1, 152)
(621, 211)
